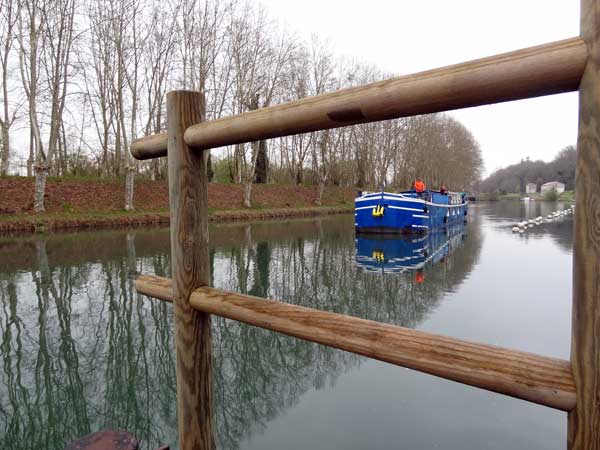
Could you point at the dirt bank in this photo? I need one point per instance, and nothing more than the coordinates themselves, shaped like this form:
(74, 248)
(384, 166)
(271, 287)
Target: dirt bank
(94, 203)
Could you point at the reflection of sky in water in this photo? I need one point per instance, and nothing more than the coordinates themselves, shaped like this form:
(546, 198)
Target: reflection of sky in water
(80, 352)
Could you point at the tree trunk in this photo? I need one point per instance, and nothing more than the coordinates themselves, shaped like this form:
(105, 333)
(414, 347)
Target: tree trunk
(4, 161)
(262, 163)
(117, 160)
(320, 190)
(155, 173)
(65, 156)
(105, 164)
(30, 159)
(300, 175)
(237, 161)
(360, 166)
(129, 178)
(210, 173)
(247, 193)
(41, 173)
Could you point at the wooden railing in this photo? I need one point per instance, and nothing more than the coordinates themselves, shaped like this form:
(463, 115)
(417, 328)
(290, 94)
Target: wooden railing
(539, 379)
(572, 386)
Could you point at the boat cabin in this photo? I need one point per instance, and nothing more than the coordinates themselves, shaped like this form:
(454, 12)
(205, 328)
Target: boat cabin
(449, 198)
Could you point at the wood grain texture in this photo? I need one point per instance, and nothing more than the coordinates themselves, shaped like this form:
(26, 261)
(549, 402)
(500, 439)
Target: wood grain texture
(149, 147)
(532, 72)
(584, 420)
(190, 264)
(538, 379)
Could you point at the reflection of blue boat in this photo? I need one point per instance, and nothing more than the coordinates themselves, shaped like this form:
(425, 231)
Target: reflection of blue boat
(408, 212)
(386, 253)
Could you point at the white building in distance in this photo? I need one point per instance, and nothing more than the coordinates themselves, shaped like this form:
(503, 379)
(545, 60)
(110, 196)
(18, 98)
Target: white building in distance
(530, 188)
(556, 185)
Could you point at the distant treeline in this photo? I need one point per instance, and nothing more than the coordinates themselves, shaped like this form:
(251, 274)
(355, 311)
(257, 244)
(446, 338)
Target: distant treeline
(514, 178)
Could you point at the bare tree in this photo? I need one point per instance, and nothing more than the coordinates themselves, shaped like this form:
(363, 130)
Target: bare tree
(322, 79)
(159, 58)
(30, 25)
(258, 64)
(294, 150)
(131, 52)
(58, 19)
(29, 31)
(46, 39)
(115, 81)
(10, 11)
(98, 67)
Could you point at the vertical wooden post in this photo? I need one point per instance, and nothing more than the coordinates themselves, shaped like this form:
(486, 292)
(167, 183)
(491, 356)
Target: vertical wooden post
(584, 420)
(190, 264)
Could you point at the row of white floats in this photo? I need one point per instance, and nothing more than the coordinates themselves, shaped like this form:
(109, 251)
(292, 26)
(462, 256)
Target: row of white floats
(522, 226)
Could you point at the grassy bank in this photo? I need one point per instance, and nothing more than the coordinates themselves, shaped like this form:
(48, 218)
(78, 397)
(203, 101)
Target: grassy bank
(567, 196)
(95, 203)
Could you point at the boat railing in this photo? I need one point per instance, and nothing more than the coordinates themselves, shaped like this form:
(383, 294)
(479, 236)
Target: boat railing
(572, 386)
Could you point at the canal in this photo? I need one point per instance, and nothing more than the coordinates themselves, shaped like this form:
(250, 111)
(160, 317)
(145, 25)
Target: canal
(81, 351)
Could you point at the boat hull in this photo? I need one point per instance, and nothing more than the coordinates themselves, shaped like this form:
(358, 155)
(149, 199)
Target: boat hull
(406, 213)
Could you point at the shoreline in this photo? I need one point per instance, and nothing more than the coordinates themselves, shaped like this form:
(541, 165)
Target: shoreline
(44, 223)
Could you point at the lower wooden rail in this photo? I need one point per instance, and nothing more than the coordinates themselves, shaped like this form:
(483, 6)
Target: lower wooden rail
(538, 379)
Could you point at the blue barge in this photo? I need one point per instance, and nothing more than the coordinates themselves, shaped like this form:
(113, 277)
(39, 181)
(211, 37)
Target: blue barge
(408, 212)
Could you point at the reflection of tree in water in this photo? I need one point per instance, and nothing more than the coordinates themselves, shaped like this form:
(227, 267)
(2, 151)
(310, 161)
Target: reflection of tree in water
(79, 355)
(259, 374)
(79, 352)
(44, 378)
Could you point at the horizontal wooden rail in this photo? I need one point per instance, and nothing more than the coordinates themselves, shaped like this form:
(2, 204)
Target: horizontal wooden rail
(532, 72)
(539, 379)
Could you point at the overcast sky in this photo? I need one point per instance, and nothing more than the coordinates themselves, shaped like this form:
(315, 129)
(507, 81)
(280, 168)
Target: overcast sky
(402, 37)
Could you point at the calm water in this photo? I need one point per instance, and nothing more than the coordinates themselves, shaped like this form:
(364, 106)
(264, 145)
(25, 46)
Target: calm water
(80, 351)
